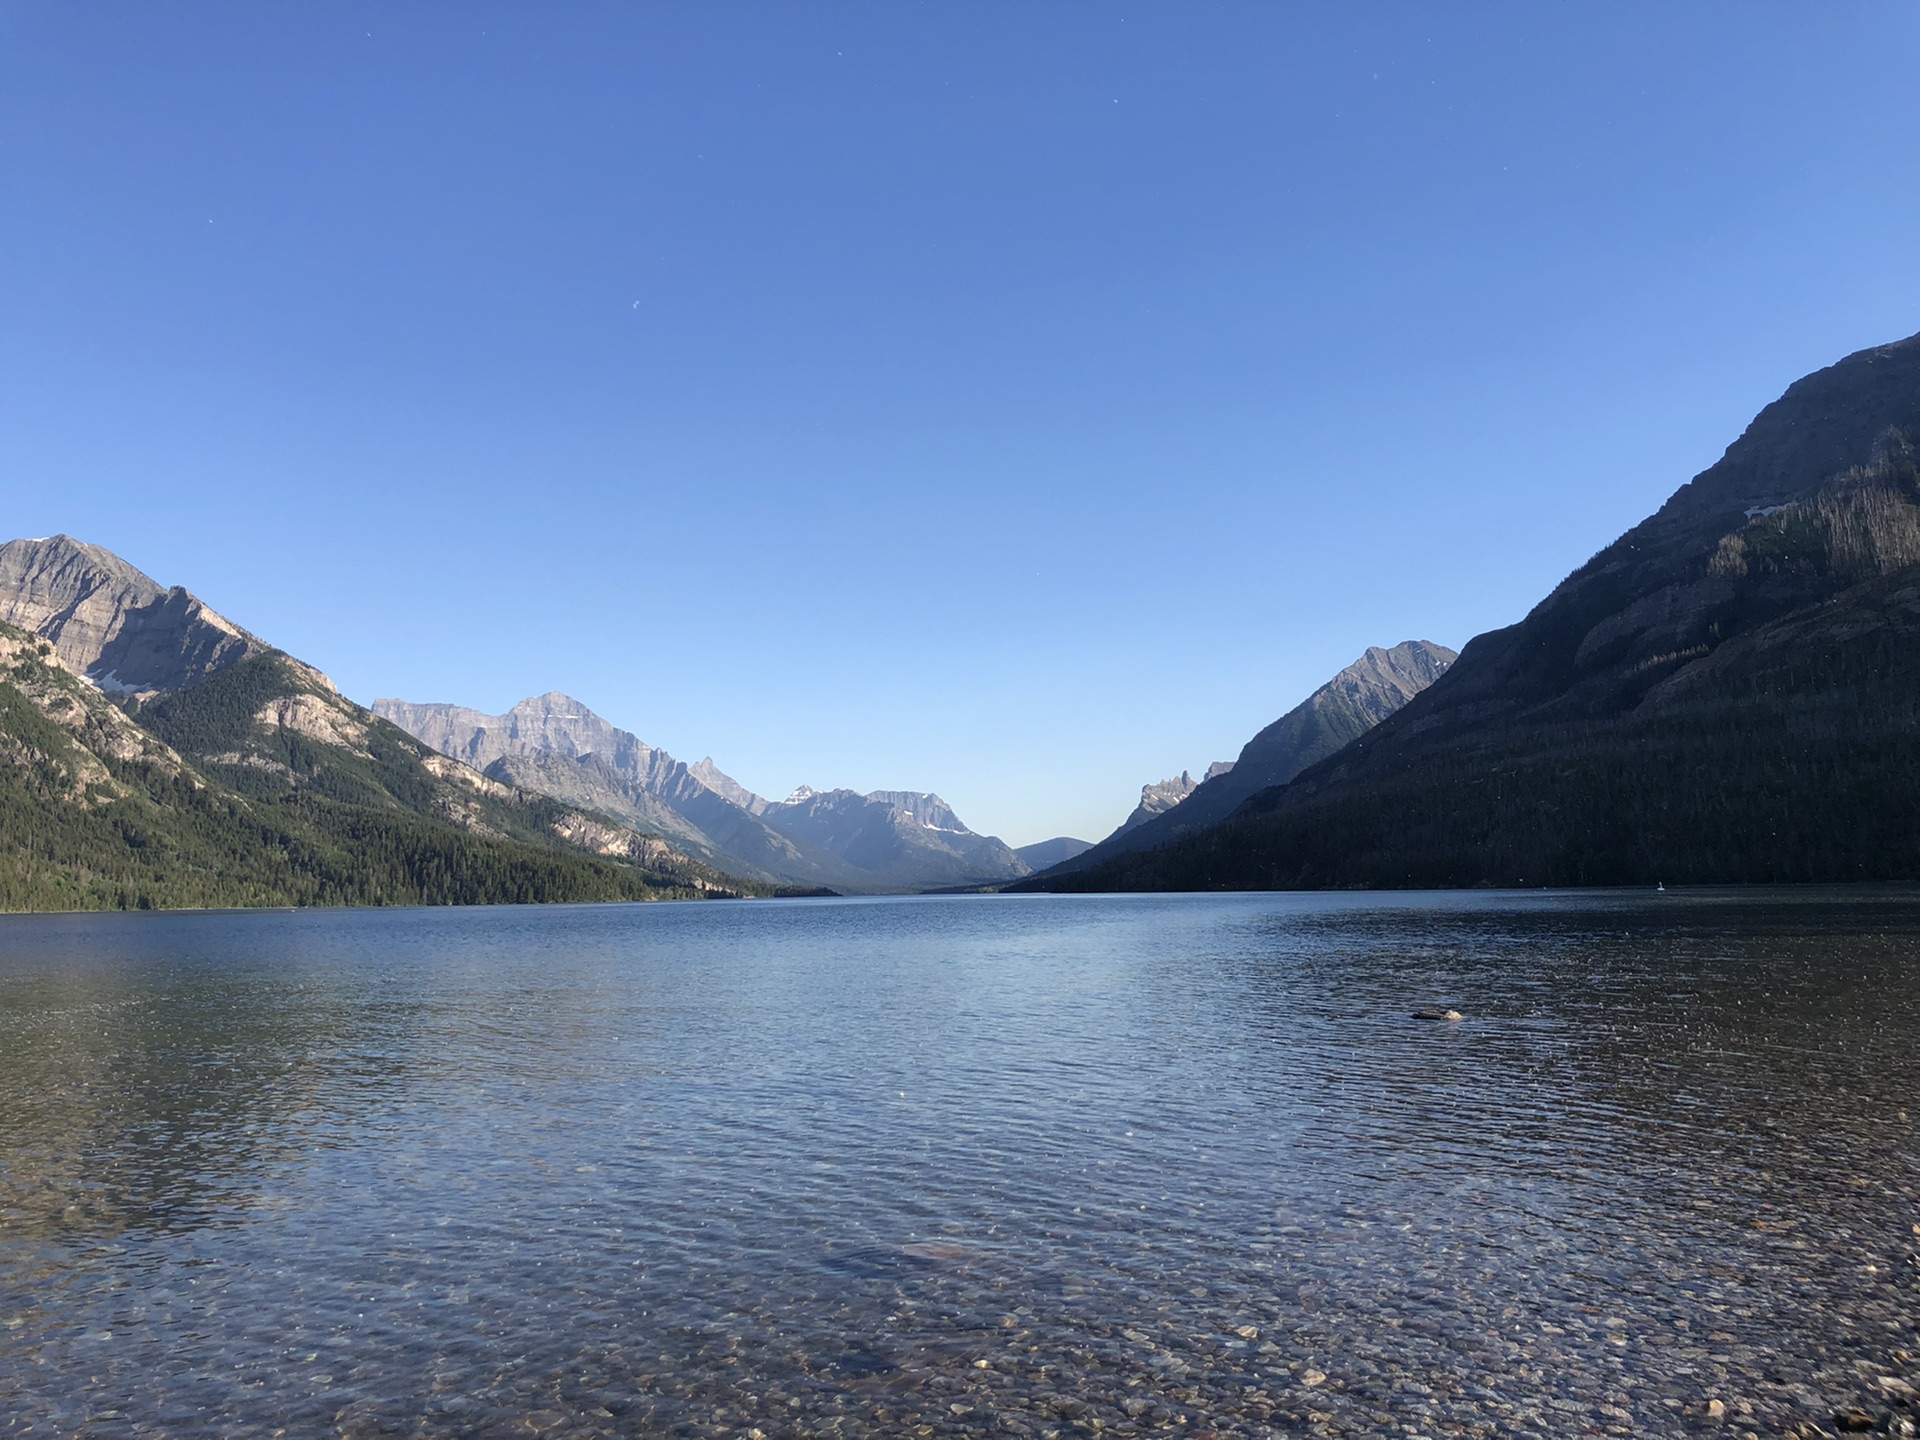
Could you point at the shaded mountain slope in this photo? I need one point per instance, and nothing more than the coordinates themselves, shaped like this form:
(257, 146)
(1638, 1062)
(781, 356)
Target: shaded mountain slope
(1375, 686)
(1725, 693)
(109, 622)
(1043, 854)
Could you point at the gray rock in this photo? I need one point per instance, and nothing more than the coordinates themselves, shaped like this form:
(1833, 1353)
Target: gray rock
(554, 744)
(108, 622)
(1368, 691)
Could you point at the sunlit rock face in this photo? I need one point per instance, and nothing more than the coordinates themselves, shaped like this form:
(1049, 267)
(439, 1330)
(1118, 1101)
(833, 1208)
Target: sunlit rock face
(120, 629)
(841, 839)
(1157, 799)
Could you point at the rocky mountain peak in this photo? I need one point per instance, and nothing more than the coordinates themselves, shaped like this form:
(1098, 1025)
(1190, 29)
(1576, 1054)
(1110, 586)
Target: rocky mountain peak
(1156, 799)
(726, 787)
(551, 724)
(110, 623)
(1395, 674)
(923, 809)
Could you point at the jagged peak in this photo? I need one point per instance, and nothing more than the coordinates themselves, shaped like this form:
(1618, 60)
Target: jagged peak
(111, 622)
(24, 557)
(553, 702)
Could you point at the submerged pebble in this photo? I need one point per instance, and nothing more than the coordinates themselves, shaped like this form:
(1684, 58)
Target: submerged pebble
(612, 1174)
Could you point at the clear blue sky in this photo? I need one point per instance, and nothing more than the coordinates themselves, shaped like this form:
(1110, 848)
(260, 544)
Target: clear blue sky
(1018, 401)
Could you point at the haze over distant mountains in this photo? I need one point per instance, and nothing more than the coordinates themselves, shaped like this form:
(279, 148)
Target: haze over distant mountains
(886, 840)
(1729, 692)
(1044, 854)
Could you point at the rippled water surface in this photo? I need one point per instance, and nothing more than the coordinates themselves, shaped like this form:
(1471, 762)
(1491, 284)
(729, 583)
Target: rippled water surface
(1027, 1166)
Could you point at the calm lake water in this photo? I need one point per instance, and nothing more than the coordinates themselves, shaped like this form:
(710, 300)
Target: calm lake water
(1027, 1166)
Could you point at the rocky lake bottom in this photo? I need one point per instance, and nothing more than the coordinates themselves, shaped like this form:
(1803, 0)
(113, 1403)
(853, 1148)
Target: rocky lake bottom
(1027, 1166)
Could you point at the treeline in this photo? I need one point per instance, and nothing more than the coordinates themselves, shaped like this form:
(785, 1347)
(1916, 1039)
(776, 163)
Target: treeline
(209, 851)
(293, 821)
(1795, 758)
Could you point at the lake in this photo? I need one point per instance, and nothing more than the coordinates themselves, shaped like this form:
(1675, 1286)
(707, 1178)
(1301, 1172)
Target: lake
(1036, 1166)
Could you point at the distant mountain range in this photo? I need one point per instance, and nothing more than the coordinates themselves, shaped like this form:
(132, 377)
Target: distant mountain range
(887, 840)
(1729, 692)
(1044, 854)
(153, 753)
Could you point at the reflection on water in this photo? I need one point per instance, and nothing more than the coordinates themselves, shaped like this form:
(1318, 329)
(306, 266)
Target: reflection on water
(1035, 1166)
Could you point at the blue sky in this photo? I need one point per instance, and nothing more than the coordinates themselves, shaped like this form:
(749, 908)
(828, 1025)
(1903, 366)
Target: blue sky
(1022, 402)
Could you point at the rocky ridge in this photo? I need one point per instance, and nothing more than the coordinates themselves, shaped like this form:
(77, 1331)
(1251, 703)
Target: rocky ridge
(111, 624)
(554, 744)
(1157, 799)
(1726, 693)
(1374, 687)
(154, 753)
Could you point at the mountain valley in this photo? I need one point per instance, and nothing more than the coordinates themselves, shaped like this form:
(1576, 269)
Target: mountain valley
(1726, 693)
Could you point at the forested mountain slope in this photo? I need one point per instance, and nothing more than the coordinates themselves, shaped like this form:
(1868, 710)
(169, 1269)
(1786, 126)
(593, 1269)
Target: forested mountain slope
(246, 780)
(1726, 693)
(1340, 711)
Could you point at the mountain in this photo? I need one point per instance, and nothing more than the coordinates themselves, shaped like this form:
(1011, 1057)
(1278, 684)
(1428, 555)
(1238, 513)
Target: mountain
(554, 744)
(1156, 800)
(1728, 692)
(1346, 707)
(1045, 854)
(900, 838)
(155, 754)
(110, 623)
(557, 746)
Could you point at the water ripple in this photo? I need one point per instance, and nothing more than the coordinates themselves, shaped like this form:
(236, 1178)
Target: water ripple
(1037, 1166)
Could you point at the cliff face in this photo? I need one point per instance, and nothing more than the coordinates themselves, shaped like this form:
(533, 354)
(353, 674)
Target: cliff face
(1726, 692)
(110, 623)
